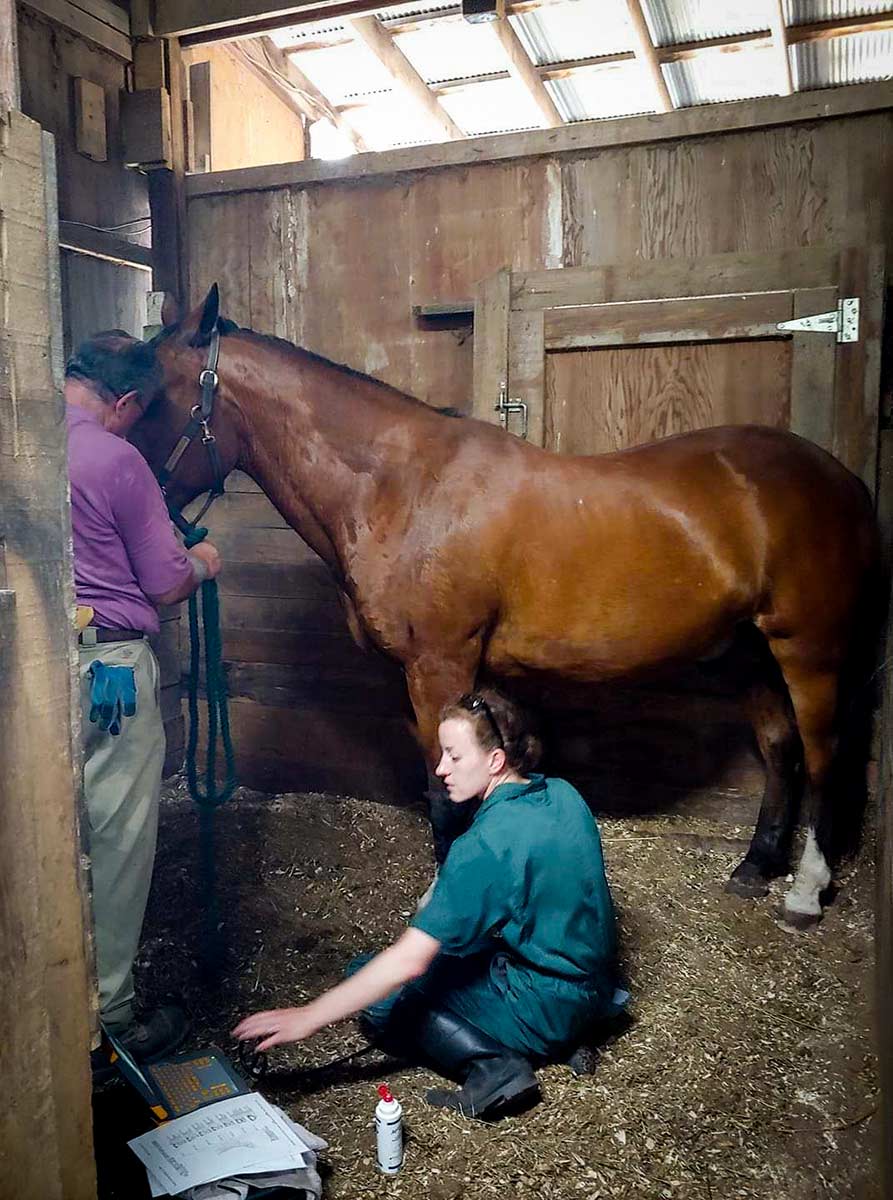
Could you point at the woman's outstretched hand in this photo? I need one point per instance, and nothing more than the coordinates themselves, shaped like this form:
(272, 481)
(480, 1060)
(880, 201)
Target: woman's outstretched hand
(278, 1026)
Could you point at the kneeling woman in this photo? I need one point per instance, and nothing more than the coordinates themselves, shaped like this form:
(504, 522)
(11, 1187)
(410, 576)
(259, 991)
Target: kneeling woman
(514, 955)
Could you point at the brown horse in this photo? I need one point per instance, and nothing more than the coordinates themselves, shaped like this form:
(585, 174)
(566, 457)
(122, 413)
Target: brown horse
(460, 549)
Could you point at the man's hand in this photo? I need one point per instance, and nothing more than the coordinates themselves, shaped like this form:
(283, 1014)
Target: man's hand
(207, 554)
(278, 1026)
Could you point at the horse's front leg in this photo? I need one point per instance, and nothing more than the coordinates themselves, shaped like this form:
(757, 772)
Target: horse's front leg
(433, 682)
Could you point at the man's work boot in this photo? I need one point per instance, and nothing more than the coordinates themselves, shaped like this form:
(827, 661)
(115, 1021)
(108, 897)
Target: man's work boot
(162, 1031)
(495, 1080)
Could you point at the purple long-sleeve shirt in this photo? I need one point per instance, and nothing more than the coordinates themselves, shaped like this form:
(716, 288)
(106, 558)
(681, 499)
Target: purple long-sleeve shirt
(125, 549)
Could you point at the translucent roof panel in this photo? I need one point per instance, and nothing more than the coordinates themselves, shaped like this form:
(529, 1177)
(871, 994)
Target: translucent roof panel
(388, 121)
(344, 72)
(560, 32)
(717, 75)
(452, 48)
(497, 106)
(613, 90)
(673, 21)
(854, 59)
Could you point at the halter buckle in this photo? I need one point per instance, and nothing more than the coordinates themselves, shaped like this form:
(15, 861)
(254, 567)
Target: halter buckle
(208, 378)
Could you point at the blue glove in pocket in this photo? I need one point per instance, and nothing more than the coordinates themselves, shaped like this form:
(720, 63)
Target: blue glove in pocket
(112, 696)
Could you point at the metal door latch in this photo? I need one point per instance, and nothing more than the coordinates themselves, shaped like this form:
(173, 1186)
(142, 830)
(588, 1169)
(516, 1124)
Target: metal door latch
(506, 407)
(843, 320)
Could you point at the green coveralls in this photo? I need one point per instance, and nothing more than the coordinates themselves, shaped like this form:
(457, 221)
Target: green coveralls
(524, 915)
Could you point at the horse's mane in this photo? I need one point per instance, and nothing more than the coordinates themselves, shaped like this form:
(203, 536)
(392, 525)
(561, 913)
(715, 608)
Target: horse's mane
(227, 327)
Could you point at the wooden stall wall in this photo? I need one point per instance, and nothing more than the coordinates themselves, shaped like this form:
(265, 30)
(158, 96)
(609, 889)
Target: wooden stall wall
(45, 1122)
(96, 293)
(246, 124)
(338, 266)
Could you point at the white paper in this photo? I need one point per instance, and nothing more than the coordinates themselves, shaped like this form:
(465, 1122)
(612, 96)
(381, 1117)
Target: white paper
(239, 1136)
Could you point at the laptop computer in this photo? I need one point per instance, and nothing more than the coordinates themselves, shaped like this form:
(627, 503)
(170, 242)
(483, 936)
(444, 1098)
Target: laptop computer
(179, 1083)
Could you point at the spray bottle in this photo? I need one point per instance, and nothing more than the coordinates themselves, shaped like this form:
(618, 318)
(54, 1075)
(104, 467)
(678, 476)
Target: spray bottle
(389, 1132)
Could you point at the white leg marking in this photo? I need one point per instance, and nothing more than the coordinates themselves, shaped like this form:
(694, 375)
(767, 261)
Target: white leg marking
(813, 876)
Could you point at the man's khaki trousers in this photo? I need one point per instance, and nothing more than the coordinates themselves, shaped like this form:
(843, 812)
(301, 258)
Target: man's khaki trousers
(122, 780)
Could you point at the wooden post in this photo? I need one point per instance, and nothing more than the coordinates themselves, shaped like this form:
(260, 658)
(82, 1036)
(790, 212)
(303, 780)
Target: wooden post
(45, 1121)
(9, 57)
(167, 194)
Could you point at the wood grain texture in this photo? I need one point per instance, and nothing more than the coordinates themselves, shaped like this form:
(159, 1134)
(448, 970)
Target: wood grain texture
(603, 400)
(45, 1124)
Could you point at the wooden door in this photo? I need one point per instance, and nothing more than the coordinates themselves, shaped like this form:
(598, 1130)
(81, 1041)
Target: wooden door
(610, 357)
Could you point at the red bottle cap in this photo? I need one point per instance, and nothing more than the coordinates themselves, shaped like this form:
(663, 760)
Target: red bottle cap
(385, 1092)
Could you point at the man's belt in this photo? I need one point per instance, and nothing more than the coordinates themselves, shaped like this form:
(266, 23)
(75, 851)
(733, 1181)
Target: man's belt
(92, 636)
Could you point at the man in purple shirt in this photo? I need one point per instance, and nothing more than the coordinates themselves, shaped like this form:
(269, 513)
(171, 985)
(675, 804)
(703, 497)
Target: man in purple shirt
(127, 562)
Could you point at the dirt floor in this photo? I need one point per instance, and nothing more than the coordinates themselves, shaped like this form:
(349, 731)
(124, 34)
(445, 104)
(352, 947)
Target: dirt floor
(747, 1071)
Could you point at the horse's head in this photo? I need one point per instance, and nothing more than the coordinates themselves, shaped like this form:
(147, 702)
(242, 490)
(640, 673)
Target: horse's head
(181, 351)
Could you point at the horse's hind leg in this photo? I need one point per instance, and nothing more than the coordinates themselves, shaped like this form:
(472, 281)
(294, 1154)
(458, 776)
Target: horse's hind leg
(814, 691)
(772, 716)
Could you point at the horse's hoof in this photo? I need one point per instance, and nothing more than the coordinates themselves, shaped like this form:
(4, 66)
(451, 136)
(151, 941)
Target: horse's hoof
(792, 921)
(747, 882)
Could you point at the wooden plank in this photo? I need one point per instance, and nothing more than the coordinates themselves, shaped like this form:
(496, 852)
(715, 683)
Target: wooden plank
(647, 55)
(369, 31)
(9, 57)
(85, 24)
(527, 355)
(368, 756)
(45, 1125)
(522, 70)
(599, 401)
(359, 692)
(812, 371)
(89, 120)
(190, 19)
(167, 198)
(662, 279)
(491, 344)
(200, 95)
(591, 135)
(703, 319)
(99, 243)
(858, 374)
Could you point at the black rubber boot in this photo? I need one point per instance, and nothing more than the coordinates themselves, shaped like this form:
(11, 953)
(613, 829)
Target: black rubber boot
(495, 1080)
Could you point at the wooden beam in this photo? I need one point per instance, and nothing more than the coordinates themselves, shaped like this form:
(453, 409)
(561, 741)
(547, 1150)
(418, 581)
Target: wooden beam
(405, 76)
(780, 47)
(10, 97)
(580, 136)
(522, 70)
(105, 29)
(100, 243)
(646, 52)
(264, 58)
(819, 31)
(188, 18)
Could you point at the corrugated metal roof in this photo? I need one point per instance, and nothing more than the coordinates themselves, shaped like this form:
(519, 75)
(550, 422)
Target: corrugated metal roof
(556, 32)
(835, 61)
(451, 48)
(671, 21)
(468, 70)
(717, 75)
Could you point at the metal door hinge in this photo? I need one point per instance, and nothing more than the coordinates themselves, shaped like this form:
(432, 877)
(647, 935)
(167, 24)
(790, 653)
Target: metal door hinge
(843, 320)
(505, 407)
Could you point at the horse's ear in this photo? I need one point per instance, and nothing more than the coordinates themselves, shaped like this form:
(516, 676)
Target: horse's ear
(210, 313)
(197, 326)
(170, 310)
